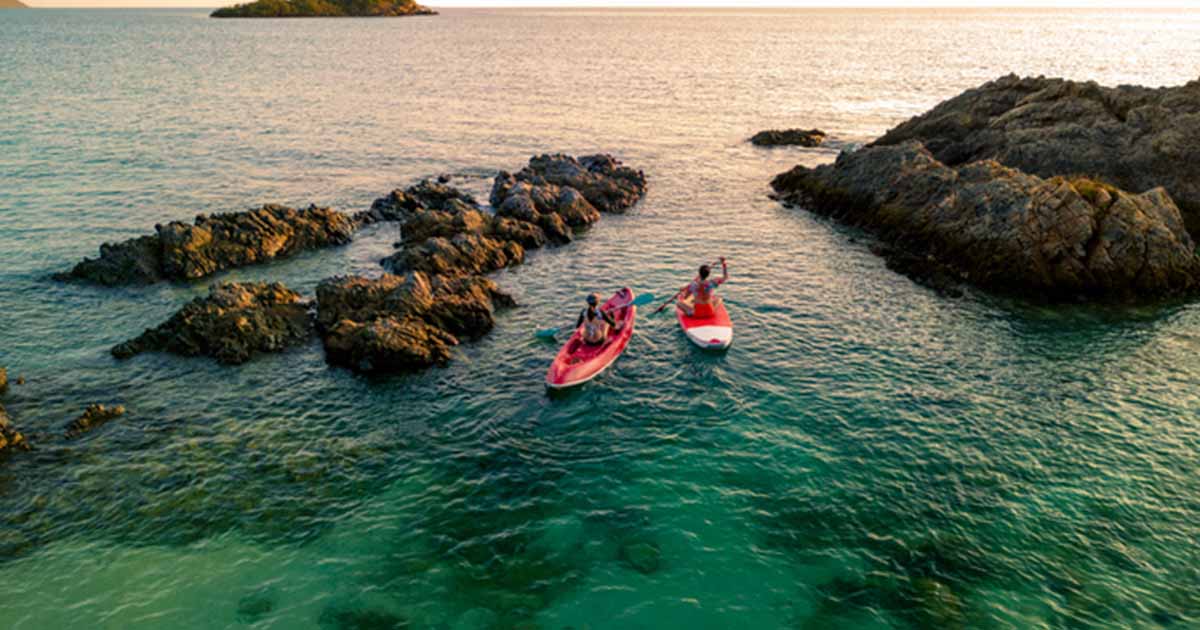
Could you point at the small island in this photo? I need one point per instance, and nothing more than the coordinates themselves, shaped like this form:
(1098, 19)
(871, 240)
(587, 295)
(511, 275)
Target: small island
(323, 8)
(13, 4)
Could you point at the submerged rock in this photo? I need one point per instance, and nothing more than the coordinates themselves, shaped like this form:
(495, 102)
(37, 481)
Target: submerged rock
(1002, 229)
(644, 557)
(323, 8)
(796, 137)
(92, 417)
(253, 607)
(187, 251)
(232, 324)
(3, 381)
(1137, 138)
(346, 616)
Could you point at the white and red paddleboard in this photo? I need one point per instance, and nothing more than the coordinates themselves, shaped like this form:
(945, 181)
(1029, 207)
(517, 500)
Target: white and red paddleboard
(710, 333)
(578, 362)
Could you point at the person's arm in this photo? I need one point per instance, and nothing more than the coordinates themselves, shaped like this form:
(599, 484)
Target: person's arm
(579, 322)
(724, 273)
(609, 318)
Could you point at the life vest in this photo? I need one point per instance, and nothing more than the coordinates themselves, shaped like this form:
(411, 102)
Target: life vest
(594, 329)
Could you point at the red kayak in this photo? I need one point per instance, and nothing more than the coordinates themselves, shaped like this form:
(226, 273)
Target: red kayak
(712, 333)
(578, 362)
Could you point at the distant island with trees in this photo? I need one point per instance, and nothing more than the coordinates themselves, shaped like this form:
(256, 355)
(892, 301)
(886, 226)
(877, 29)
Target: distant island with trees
(322, 8)
(12, 4)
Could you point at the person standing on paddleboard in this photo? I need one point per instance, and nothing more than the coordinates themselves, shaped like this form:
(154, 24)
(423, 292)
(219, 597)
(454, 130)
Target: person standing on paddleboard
(595, 322)
(701, 292)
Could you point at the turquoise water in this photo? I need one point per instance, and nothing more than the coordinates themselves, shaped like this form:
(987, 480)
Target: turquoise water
(867, 454)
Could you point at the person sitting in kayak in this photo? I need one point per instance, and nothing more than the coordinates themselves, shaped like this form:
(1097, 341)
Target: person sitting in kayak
(595, 322)
(701, 292)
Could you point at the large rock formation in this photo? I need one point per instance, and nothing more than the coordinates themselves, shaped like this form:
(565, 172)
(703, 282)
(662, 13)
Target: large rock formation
(602, 180)
(446, 231)
(401, 323)
(394, 323)
(324, 8)
(1000, 228)
(12, 4)
(232, 324)
(788, 137)
(448, 242)
(183, 251)
(1135, 137)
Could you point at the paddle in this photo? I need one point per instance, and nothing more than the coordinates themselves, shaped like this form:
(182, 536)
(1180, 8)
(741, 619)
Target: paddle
(680, 292)
(641, 300)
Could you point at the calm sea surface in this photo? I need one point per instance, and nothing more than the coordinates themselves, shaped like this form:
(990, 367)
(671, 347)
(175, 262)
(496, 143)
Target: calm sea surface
(867, 455)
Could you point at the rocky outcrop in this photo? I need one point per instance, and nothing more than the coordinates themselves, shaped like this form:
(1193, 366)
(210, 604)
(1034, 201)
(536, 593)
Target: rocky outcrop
(1052, 238)
(445, 231)
(187, 251)
(605, 184)
(10, 438)
(92, 417)
(324, 8)
(403, 323)
(235, 322)
(788, 137)
(1135, 137)
(448, 243)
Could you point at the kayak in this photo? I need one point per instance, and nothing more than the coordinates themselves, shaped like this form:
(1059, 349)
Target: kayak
(578, 362)
(710, 333)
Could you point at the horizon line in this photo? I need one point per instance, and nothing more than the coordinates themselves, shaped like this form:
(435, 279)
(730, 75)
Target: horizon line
(1077, 4)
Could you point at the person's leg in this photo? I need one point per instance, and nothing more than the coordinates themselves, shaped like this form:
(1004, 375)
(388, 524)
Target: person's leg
(685, 306)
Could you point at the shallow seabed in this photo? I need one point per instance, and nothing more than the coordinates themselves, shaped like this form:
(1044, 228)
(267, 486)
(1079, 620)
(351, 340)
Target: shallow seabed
(866, 455)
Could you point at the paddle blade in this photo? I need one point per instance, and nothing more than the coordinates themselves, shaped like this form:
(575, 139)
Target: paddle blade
(546, 333)
(643, 299)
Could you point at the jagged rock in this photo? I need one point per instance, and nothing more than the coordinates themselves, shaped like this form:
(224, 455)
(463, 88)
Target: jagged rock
(388, 344)
(1135, 137)
(187, 251)
(1003, 229)
(527, 235)
(92, 417)
(601, 179)
(10, 438)
(135, 261)
(361, 299)
(402, 323)
(424, 195)
(465, 253)
(797, 137)
(448, 242)
(3, 381)
(232, 324)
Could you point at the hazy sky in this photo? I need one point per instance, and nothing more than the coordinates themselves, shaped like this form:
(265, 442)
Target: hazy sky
(663, 3)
